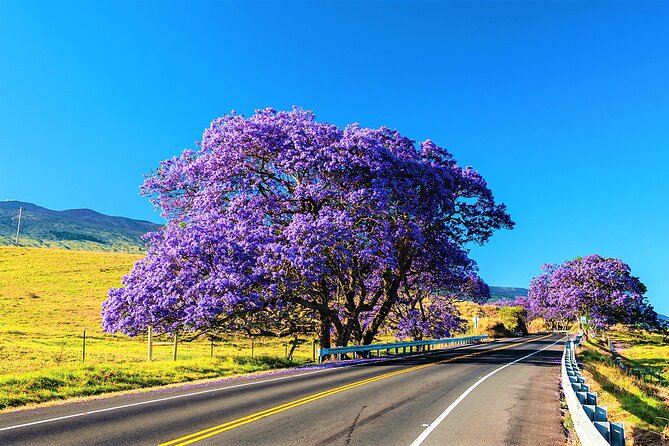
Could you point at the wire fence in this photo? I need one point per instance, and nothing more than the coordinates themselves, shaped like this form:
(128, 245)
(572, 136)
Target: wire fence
(633, 368)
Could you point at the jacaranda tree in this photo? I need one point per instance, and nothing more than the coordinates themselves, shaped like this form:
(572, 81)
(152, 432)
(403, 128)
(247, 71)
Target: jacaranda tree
(425, 310)
(279, 223)
(603, 289)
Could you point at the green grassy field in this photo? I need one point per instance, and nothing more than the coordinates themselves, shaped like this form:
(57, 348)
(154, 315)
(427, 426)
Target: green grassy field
(646, 349)
(48, 296)
(642, 406)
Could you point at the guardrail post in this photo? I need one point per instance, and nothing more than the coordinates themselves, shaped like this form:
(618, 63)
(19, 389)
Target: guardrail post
(617, 434)
(590, 420)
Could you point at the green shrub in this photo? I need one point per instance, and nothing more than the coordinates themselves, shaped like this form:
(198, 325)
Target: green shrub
(513, 319)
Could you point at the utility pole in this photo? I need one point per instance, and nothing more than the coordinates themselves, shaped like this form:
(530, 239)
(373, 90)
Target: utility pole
(18, 227)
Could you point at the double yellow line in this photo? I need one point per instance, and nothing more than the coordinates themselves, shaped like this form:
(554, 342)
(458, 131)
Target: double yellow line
(215, 430)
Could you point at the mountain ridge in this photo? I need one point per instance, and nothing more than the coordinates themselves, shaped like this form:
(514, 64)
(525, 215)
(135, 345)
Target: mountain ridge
(77, 229)
(506, 293)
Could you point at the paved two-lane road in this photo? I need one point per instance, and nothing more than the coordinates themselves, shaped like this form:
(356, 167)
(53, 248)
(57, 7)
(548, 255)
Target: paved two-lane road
(497, 393)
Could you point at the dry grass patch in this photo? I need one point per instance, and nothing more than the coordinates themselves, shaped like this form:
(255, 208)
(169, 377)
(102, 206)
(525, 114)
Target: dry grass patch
(48, 296)
(640, 405)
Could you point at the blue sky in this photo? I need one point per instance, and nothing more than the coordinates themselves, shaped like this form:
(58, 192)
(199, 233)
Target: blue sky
(562, 106)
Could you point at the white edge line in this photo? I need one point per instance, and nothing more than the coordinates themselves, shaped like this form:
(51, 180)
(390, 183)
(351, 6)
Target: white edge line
(185, 395)
(423, 436)
(158, 400)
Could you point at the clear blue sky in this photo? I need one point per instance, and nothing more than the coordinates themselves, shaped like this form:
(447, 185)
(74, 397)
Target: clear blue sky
(562, 106)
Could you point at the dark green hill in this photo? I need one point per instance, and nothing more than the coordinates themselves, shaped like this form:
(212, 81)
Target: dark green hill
(81, 229)
(506, 293)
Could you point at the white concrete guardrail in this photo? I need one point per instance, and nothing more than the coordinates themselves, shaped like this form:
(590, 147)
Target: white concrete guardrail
(405, 347)
(590, 420)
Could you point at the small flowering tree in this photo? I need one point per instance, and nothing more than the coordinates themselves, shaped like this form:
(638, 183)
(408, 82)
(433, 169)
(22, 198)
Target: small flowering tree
(600, 288)
(423, 310)
(278, 214)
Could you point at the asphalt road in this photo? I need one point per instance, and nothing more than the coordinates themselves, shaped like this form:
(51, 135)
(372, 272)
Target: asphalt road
(497, 393)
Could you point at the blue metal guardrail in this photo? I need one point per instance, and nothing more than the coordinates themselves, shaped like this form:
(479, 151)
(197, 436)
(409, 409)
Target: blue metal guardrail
(590, 420)
(417, 345)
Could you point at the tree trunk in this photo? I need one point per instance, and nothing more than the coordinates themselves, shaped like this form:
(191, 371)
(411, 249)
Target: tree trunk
(292, 349)
(343, 335)
(324, 336)
(389, 299)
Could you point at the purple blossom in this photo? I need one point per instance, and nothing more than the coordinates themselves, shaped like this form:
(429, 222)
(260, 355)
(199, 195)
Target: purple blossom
(600, 288)
(279, 223)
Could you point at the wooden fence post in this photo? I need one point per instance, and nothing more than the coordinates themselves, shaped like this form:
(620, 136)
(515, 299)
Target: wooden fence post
(176, 341)
(150, 344)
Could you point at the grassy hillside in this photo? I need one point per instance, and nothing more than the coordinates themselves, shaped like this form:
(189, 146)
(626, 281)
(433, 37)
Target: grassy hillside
(46, 292)
(494, 321)
(48, 296)
(80, 229)
(642, 406)
(642, 348)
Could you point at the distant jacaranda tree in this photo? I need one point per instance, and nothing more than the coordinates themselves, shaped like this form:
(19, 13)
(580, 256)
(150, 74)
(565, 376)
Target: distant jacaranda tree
(603, 289)
(279, 222)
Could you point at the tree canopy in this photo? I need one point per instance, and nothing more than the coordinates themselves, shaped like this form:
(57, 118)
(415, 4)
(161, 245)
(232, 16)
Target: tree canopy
(279, 223)
(603, 289)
